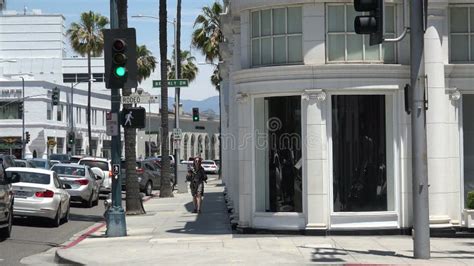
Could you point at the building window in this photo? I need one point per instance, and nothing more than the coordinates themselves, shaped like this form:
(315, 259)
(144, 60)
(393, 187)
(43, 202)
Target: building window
(461, 30)
(277, 36)
(49, 111)
(59, 111)
(78, 115)
(278, 154)
(10, 110)
(344, 45)
(60, 145)
(362, 159)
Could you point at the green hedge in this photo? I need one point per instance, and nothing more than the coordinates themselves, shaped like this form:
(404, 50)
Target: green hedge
(470, 200)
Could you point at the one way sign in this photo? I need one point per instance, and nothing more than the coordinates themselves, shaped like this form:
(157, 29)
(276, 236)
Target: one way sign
(133, 117)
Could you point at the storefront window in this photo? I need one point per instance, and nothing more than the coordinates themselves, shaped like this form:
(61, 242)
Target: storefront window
(468, 136)
(278, 154)
(359, 142)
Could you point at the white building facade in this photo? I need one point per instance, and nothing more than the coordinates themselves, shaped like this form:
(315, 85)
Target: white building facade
(314, 131)
(33, 48)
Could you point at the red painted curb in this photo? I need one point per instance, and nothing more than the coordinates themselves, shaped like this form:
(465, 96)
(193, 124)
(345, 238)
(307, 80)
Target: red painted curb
(84, 236)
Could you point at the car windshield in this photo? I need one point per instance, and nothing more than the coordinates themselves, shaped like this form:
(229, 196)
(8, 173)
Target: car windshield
(104, 166)
(69, 170)
(59, 157)
(34, 178)
(40, 164)
(20, 164)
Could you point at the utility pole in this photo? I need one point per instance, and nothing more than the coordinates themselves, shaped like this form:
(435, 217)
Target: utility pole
(23, 141)
(116, 225)
(421, 221)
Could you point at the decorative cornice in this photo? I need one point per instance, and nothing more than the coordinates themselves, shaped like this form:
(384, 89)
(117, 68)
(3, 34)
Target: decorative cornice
(329, 71)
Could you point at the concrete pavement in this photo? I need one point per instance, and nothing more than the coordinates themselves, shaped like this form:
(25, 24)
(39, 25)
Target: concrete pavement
(170, 234)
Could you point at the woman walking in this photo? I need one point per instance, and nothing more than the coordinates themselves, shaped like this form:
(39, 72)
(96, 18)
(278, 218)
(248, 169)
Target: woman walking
(197, 176)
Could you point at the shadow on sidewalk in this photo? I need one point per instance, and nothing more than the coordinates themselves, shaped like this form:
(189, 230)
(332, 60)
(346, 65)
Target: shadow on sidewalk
(213, 219)
(334, 254)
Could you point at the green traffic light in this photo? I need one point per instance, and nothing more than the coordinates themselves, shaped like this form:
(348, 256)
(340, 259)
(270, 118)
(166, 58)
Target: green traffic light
(120, 71)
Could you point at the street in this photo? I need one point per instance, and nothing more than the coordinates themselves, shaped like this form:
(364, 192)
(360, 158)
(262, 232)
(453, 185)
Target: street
(32, 236)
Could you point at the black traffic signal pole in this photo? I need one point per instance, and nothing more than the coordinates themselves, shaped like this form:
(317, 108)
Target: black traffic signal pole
(373, 25)
(115, 218)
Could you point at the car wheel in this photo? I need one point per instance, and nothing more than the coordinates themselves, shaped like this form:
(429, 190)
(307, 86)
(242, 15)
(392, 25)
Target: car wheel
(7, 231)
(66, 215)
(57, 218)
(148, 188)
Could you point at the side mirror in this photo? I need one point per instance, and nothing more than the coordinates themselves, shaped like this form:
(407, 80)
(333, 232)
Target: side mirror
(98, 177)
(98, 172)
(67, 186)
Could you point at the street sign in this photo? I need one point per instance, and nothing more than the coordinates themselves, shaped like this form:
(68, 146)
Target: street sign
(116, 169)
(172, 83)
(111, 124)
(133, 117)
(177, 133)
(136, 99)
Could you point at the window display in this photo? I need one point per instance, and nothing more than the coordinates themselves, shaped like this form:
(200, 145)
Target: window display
(359, 153)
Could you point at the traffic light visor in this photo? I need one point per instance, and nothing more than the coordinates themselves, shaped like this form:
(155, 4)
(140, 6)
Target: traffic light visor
(365, 5)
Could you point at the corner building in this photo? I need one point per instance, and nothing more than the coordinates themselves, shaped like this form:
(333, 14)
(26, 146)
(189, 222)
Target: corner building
(314, 131)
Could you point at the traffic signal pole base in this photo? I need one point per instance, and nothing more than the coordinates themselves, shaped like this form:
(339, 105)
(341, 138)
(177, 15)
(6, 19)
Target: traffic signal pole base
(116, 225)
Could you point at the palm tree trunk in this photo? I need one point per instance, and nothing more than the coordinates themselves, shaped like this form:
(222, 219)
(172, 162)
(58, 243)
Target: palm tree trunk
(165, 189)
(133, 202)
(89, 88)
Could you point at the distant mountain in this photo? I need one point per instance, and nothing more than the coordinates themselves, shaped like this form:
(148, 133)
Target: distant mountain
(207, 105)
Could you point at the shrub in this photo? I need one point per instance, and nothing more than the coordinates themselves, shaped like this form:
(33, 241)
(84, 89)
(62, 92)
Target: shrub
(470, 200)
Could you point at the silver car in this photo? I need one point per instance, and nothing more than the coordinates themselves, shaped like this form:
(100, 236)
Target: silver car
(39, 193)
(84, 183)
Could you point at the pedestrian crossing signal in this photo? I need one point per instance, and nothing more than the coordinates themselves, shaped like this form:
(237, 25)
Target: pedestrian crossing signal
(133, 117)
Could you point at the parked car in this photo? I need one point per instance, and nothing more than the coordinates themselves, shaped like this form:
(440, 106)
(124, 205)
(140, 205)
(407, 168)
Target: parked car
(7, 199)
(39, 193)
(158, 159)
(24, 163)
(63, 158)
(210, 167)
(53, 162)
(103, 164)
(148, 175)
(75, 158)
(84, 183)
(41, 163)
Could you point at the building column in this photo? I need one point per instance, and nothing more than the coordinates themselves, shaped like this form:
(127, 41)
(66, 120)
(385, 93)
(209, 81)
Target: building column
(315, 174)
(442, 160)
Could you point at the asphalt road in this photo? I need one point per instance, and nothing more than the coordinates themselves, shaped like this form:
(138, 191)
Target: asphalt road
(32, 236)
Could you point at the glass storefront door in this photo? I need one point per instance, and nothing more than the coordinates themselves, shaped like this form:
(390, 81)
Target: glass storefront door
(359, 141)
(278, 162)
(468, 143)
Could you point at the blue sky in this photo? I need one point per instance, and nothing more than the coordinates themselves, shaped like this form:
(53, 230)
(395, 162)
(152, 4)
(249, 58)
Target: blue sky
(147, 30)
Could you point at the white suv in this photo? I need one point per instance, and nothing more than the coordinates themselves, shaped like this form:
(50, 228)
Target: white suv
(103, 164)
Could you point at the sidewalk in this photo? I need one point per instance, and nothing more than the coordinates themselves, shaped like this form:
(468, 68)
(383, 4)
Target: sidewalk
(170, 234)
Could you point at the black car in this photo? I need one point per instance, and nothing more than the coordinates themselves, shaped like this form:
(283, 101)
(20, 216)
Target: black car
(63, 158)
(148, 175)
(6, 202)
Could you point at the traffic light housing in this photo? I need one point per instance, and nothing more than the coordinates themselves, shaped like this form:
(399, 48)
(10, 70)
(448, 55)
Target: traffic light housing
(120, 58)
(195, 114)
(20, 107)
(370, 24)
(71, 138)
(55, 96)
(27, 137)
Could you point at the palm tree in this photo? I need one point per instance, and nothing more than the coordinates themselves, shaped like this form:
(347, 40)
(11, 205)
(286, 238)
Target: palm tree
(188, 71)
(165, 189)
(86, 39)
(146, 63)
(208, 33)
